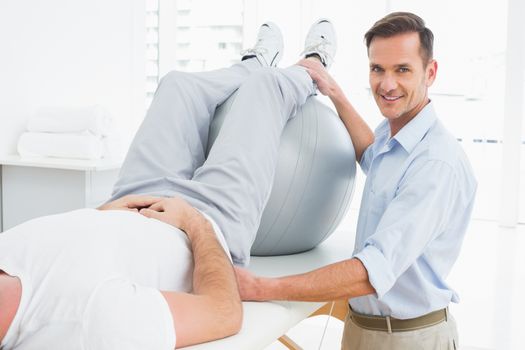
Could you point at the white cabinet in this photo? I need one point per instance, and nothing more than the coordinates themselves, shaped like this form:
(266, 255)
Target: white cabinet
(36, 187)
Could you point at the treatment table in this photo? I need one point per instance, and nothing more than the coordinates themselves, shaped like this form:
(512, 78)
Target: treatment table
(266, 322)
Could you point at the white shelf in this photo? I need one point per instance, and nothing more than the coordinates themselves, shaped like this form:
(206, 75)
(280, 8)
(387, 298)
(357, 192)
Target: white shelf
(33, 187)
(62, 163)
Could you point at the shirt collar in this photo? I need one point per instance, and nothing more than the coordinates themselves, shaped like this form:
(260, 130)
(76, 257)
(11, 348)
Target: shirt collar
(410, 135)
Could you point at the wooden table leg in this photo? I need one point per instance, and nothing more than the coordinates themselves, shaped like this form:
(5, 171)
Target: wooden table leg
(339, 310)
(289, 343)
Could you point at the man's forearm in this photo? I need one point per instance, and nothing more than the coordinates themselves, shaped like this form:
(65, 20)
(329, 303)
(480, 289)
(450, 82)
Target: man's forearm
(345, 279)
(213, 310)
(361, 134)
(213, 273)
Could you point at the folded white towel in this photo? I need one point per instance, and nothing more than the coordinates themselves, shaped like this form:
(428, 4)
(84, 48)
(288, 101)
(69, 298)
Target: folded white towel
(71, 120)
(76, 146)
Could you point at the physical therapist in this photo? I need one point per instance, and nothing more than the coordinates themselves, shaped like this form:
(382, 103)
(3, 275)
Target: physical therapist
(415, 209)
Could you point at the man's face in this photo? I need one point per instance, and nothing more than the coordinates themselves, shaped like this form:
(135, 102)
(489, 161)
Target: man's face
(398, 77)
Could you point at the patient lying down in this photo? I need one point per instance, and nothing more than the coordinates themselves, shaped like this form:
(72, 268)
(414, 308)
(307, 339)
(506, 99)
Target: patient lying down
(117, 279)
(156, 275)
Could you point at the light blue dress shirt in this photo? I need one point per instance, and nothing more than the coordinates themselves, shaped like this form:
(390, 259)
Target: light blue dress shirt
(415, 209)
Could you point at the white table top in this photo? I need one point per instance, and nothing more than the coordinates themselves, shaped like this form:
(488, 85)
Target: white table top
(62, 163)
(265, 322)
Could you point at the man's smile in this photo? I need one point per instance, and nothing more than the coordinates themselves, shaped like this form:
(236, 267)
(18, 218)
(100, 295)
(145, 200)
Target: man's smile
(390, 98)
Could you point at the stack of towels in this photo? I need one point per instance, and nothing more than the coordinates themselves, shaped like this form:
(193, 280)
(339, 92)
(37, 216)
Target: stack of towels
(78, 133)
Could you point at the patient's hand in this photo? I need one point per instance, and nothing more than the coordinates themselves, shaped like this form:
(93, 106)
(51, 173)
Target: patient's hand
(132, 202)
(174, 211)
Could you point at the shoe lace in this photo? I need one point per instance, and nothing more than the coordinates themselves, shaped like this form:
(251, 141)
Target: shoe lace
(318, 46)
(258, 50)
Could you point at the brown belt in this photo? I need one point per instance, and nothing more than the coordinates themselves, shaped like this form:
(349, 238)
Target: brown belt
(391, 324)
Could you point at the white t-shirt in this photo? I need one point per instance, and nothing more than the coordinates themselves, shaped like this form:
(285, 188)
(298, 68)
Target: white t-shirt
(91, 280)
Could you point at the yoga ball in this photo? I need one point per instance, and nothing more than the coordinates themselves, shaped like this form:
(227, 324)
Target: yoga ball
(313, 183)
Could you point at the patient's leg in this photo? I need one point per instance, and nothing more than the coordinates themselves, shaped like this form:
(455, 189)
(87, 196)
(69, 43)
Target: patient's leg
(234, 183)
(173, 137)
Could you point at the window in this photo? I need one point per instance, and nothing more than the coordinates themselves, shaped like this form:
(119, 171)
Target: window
(208, 34)
(152, 49)
(190, 35)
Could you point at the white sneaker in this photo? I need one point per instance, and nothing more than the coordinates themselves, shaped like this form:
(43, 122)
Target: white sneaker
(321, 41)
(268, 48)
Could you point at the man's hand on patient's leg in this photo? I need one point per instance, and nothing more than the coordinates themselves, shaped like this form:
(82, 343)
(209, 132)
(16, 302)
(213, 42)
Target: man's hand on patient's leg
(249, 285)
(319, 74)
(132, 202)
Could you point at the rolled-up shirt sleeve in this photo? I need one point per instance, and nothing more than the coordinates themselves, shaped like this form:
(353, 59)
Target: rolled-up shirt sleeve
(366, 159)
(418, 213)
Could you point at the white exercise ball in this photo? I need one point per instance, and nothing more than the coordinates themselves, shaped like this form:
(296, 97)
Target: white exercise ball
(313, 184)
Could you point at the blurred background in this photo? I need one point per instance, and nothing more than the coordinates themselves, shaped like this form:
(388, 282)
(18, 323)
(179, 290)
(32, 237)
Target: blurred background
(113, 53)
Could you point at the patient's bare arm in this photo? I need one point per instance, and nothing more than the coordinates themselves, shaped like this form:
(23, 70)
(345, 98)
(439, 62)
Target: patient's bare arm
(132, 202)
(214, 310)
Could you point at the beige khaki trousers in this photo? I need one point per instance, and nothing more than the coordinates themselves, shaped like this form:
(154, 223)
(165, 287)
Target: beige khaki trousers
(443, 336)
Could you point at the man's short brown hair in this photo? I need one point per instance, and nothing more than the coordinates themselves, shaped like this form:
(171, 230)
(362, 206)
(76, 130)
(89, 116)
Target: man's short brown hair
(400, 23)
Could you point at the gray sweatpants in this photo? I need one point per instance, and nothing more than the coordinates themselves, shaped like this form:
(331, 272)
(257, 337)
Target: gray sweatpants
(167, 155)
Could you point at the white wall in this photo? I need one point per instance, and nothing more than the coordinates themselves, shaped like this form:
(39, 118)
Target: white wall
(70, 53)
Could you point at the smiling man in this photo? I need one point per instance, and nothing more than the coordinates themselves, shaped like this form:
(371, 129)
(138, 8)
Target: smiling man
(415, 209)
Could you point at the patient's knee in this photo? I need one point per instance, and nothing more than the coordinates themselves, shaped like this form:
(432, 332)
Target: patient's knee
(269, 75)
(175, 78)
(268, 78)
